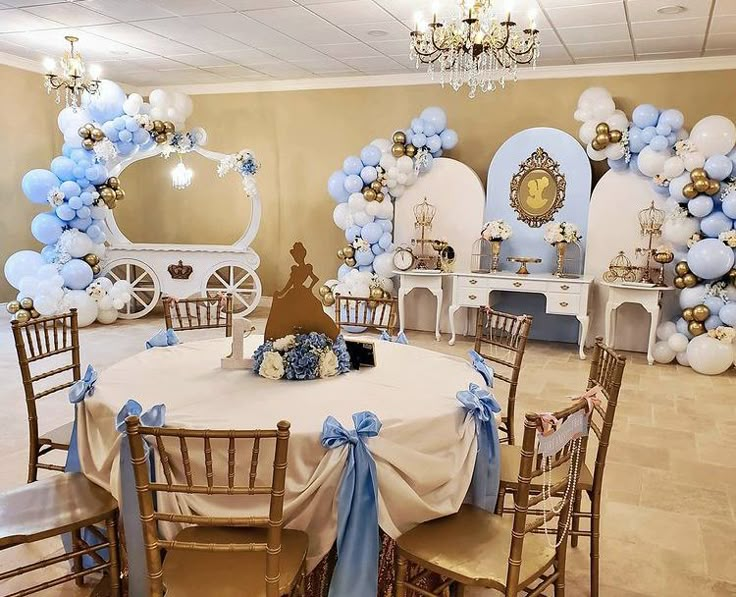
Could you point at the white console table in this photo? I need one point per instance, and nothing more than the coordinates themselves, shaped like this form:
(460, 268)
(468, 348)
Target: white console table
(565, 296)
(649, 297)
(416, 278)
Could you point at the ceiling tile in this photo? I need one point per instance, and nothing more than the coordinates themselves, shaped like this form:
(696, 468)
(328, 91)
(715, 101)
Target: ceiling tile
(14, 19)
(606, 13)
(391, 48)
(720, 52)
(594, 33)
(352, 12)
(606, 48)
(668, 28)
(185, 8)
(129, 10)
(552, 54)
(724, 24)
(646, 10)
(139, 38)
(374, 64)
(670, 44)
(351, 50)
(570, 3)
(249, 56)
(293, 50)
(299, 23)
(725, 7)
(70, 14)
(191, 32)
(394, 30)
(23, 3)
(91, 46)
(324, 65)
(668, 55)
(722, 41)
(202, 59)
(244, 29)
(257, 4)
(607, 58)
(283, 70)
(237, 72)
(186, 77)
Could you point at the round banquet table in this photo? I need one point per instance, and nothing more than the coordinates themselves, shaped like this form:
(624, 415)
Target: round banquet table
(424, 453)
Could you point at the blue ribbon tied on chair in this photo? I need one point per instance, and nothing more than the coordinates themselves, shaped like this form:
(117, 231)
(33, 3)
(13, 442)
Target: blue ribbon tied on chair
(480, 366)
(78, 392)
(483, 491)
(130, 513)
(163, 338)
(400, 339)
(356, 570)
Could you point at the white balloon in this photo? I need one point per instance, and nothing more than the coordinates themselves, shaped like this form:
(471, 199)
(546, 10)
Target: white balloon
(387, 161)
(682, 359)
(678, 230)
(678, 342)
(340, 215)
(157, 97)
(357, 202)
(594, 154)
(714, 135)
(132, 107)
(651, 162)
(665, 330)
(401, 178)
(386, 211)
(405, 163)
(709, 356)
(662, 352)
(99, 250)
(21, 264)
(46, 305)
(361, 218)
(603, 108)
(28, 286)
(398, 190)
(618, 121)
(85, 305)
(107, 316)
(583, 114)
(383, 264)
(693, 159)
(615, 151)
(372, 208)
(690, 297)
(673, 167)
(587, 131)
(383, 144)
(79, 244)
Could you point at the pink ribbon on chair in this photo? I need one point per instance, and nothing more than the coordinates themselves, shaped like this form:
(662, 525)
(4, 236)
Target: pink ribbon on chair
(592, 397)
(547, 424)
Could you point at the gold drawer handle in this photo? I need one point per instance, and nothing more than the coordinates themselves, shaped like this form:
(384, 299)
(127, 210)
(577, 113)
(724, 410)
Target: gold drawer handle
(563, 304)
(565, 287)
(473, 281)
(472, 297)
(517, 284)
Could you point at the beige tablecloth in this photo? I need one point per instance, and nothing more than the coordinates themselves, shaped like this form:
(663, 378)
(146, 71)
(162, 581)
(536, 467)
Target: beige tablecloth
(424, 453)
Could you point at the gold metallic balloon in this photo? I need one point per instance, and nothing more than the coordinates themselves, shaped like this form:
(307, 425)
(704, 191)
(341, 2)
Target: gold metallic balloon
(119, 194)
(88, 143)
(679, 282)
(96, 269)
(160, 138)
(372, 304)
(614, 136)
(323, 290)
(13, 307)
(595, 145)
(410, 150)
(107, 194)
(698, 174)
(687, 314)
(96, 134)
(91, 259)
(399, 137)
(35, 314)
(113, 182)
(701, 185)
(376, 185)
(602, 139)
(169, 127)
(386, 294)
(602, 129)
(380, 197)
(713, 187)
(689, 191)
(690, 280)
(376, 292)
(158, 126)
(696, 328)
(111, 203)
(350, 262)
(22, 316)
(397, 150)
(701, 313)
(369, 194)
(26, 303)
(84, 132)
(89, 126)
(682, 268)
(340, 254)
(328, 299)
(349, 251)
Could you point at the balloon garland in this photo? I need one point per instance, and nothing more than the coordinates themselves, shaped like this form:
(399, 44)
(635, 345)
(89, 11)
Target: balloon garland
(364, 190)
(697, 174)
(108, 128)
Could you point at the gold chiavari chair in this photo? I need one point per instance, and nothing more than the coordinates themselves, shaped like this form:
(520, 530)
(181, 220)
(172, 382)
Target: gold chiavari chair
(606, 373)
(376, 314)
(478, 548)
(218, 557)
(54, 506)
(48, 341)
(501, 339)
(199, 313)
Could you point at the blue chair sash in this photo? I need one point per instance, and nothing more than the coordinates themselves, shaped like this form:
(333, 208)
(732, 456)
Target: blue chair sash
(480, 366)
(129, 511)
(400, 339)
(356, 570)
(483, 491)
(163, 338)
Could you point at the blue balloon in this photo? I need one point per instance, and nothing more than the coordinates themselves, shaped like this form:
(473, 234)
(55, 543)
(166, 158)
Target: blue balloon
(82, 182)
(712, 322)
(718, 167)
(714, 304)
(353, 184)
(79, 172)
(660, 189)
(437, 154)
(141, 136)
(362, 268)
(36, 185)
(49, 253)
(435, 117)
(634, 133)
(700, 206)
(352, 233)
(728, 314)
(429, 130)
(419, 140)
(617, 165)
(710, 258)
(125, 136)
(648, 134)
(387, 225)
(99, 212)
(111, 132)
(729, 207)
(364, 256)
(83, 213)
(343, 271)
(448, 138)
(47, 228)
(131, 125)
(336, 186)
(81, 224)
(75, 202)
(370, 155)
(672, 118)
(385, 241)
(645, 115)
(371, 232)
(671, 139)
(377, 249)
(634, 166)
(66, 149)
(77, 274)
(676, 186)
(715, 223)
(107, 103)
(93, 232)
(70, 188)
(63, 167)
(682, 328)
(636, 146)
(663, 128)
(352, 165)
(417, 125)
(659, 143)
(368, 174)
(434, 143)
(79, 154)
(125, 149)
(426, 165)
(65, 212)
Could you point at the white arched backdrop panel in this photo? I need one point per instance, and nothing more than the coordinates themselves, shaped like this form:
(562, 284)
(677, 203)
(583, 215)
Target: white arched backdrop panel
(457, 193)
(613, 226)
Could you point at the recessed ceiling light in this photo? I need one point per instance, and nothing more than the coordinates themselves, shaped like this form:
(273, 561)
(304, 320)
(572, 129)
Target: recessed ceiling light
(671, 9)
(377, 32)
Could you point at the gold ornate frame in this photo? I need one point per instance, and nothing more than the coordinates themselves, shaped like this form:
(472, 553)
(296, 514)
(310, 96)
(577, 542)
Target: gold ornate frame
(539, 164)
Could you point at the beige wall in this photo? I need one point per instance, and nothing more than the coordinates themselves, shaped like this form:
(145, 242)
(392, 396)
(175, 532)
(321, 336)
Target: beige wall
(28, 139)
(300, 137)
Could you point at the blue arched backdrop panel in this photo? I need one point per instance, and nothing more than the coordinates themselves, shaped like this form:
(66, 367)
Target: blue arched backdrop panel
(527, 241)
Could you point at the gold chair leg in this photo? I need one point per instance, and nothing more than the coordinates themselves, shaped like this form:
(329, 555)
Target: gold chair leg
(560, 582)
(595, 535)
(401, 570)
(114, 571)
(459, 589)
(500, 501)
(576, 519)
(78, 564)
(32, 463)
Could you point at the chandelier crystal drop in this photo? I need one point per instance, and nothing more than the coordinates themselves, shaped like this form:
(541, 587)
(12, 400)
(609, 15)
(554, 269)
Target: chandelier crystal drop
(181, 176)
(71, 79)
(478, 47)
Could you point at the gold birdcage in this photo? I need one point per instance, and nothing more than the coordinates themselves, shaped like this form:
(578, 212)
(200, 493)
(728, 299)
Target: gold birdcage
(651, 220)
(481, 256)
(424, 214)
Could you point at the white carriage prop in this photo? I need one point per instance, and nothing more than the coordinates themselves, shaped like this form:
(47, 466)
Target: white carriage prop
(183, 270)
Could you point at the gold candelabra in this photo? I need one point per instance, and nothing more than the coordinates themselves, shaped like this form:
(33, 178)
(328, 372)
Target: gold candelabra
(651, 220)
(424, 214)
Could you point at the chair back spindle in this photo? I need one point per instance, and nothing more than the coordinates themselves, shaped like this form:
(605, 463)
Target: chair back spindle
(199, 313)
(376, 314)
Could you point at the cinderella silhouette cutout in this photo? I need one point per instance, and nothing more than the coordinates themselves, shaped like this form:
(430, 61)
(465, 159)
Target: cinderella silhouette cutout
(295, 308)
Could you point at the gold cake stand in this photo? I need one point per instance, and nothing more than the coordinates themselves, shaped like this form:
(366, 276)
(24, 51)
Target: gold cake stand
(522, 261)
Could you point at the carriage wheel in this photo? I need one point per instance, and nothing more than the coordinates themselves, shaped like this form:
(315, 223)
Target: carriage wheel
(242, 282)
(144, 286)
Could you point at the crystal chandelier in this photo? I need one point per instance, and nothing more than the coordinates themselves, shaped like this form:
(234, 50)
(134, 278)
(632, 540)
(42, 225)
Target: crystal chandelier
(181, 176)
(72, 80)
(477, 47)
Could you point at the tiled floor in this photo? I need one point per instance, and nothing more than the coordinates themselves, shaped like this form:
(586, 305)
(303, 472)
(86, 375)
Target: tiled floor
(669, 521)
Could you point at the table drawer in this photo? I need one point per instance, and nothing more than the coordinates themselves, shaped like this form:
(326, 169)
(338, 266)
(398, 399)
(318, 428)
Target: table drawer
(562, 304)
(468, 297)
(520, 285)
(564, 287)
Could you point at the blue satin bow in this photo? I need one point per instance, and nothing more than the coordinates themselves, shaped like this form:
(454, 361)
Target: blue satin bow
(154, 417)
(480, 366)
(400, 339)
(163, 338)
(483, 491)
(356, 570)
